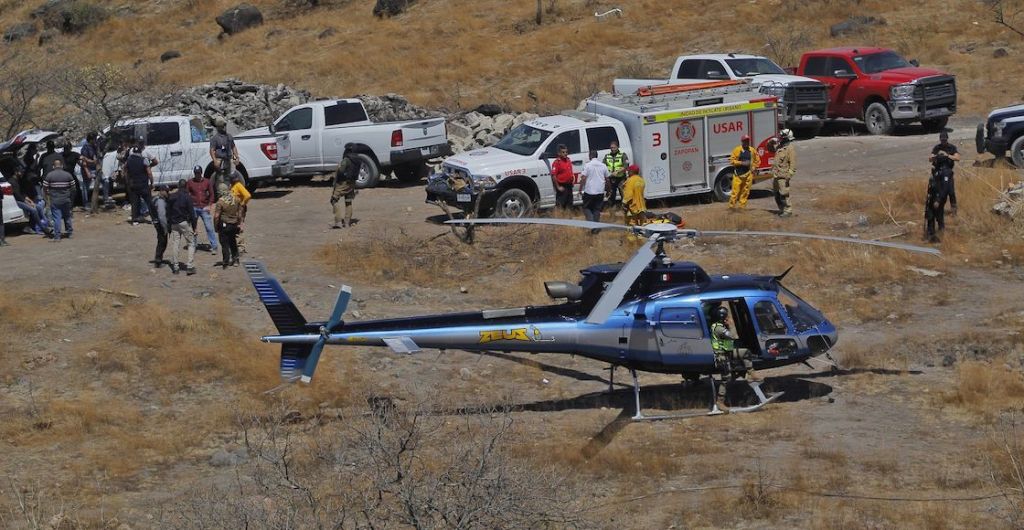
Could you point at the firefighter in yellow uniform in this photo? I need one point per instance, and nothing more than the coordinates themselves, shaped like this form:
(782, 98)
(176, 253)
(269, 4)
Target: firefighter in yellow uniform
(744, 161)
(633, 198)
(783, 169)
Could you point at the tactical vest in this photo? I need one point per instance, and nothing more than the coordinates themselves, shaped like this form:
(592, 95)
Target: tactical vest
(717, 344)
(615, 162)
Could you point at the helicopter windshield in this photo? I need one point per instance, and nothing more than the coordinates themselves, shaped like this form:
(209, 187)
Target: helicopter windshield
(801, 314)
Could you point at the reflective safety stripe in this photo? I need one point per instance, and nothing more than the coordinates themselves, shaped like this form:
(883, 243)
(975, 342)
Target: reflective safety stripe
(615, 162)
(717, 344)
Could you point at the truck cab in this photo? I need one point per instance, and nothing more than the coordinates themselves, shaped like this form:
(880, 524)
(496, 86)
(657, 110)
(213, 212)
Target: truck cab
(319, 131)
(803, 102)
(881, 88)
(515, 174)
(1003, 131)
(180, 143)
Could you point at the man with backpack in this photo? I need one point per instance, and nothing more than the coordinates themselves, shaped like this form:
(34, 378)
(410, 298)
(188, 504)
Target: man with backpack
(345, 187)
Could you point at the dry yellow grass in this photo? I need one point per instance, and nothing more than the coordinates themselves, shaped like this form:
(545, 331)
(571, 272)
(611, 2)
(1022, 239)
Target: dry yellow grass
(988, 388)
(458, 53)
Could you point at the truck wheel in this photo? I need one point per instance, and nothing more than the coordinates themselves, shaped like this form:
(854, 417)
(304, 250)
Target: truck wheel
(411, 173)
(513, 203)
(723, 185)
(979, 139)
(935, 125)
(369, 173)
(1017, 152)
(877, 119)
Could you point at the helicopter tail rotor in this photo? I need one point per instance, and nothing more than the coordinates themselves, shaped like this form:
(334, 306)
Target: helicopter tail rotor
(298, 358)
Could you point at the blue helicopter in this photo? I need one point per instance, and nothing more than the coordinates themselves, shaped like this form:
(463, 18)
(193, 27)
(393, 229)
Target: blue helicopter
(650, 314)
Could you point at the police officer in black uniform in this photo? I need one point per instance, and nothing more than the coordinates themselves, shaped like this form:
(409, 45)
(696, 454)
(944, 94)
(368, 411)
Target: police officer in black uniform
(944, 157)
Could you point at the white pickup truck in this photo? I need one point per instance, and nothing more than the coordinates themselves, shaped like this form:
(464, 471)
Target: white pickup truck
(320, 130)
(803, 102)
(516, 172)
(180, 143)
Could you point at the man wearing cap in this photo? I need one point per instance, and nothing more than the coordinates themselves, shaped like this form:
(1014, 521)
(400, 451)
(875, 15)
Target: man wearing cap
(744, 161)
(200, 189)
(223, 152)
(345, 187)
(944, 157)
(783, 169)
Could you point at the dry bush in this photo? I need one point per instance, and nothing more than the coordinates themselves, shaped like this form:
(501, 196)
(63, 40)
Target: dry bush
(383, 467)
(987, 388)
(1005, 467)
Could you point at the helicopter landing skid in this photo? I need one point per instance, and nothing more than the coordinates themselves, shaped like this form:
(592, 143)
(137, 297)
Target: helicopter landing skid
(715, 410)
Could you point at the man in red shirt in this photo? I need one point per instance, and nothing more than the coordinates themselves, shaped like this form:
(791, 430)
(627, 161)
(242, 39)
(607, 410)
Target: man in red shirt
(562, 178)
(200, 189)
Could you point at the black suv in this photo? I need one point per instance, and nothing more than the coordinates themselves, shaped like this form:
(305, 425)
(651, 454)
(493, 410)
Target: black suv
(1002, 132)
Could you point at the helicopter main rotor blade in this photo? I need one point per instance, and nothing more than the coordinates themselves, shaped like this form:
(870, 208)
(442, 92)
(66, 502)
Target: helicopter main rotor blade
(628, 274)
(887, 244)
(538, 221)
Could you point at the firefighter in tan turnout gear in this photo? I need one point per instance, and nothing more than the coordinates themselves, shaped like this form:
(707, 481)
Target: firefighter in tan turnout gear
(783, 169)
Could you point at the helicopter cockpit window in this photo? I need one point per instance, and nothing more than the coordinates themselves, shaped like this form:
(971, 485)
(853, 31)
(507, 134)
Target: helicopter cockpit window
(801, 314)
(769, 321)
(681, 323)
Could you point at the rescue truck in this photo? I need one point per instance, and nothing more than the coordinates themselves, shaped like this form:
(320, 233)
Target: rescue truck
(680, 136)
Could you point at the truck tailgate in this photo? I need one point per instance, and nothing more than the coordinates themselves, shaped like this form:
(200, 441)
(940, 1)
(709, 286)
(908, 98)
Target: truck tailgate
(284, 149)
(424, 133)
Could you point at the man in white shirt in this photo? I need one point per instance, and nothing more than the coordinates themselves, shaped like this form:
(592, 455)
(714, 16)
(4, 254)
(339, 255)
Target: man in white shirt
(593, 182)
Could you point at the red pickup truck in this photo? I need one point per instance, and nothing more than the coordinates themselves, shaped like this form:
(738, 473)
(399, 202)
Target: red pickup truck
(881, 88)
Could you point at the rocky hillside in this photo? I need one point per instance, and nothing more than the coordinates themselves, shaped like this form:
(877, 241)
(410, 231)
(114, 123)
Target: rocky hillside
(458, 54)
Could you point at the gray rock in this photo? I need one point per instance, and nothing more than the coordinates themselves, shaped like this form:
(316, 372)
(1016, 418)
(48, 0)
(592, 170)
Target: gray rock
(239, 18)
(999, 53)
(458, 130)
(223, 458)
(856, 24)
(326, 33)
(392, 107)
(69, 16)
(169, 55)
(502, 123)
(489, 109)
(390, 8)
(465, 374)
(19, 31)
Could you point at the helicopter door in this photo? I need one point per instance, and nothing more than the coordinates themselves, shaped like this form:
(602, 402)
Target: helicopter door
(777, 340)
(680, 332)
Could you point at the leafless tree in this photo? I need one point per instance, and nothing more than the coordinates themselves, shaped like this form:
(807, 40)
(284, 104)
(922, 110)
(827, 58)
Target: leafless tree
(1006, 468)
(22, 82)
(106, 93)
(1006, 14)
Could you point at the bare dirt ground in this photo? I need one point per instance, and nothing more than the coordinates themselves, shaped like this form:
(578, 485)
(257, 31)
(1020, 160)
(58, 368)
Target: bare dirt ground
(116, 406)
